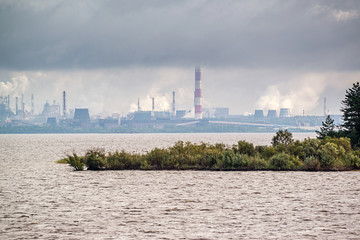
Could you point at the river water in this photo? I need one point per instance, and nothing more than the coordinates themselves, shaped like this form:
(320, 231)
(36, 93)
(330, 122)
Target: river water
(40, 199)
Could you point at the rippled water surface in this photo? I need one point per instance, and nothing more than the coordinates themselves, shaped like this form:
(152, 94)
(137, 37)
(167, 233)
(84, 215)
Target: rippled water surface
(43, 200)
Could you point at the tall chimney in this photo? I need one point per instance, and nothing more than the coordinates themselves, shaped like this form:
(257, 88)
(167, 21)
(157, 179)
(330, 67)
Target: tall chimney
(173, 105)
(22, 103)
(197, 97)
(139, 108)
(64, 103)
(153, 104)
(16, 106)
(325, 112)
(32, 104)
(8, 102)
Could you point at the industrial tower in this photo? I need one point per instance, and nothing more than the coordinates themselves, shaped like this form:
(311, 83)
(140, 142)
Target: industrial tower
(197, 97)
(32, 104)
(173, 105)
(64, 103)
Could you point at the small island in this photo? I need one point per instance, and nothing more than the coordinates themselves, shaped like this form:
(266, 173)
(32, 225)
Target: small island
(327, 154)
(337, 148)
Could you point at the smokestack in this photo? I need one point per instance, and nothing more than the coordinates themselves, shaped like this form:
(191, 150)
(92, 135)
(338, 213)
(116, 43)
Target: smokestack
(153, 104)
(22, 103)
(325, 112)
(64, 103)
(32, 104)
(139, 108)
(8, 102)
(197, 97)
(16, 106)
(173, 105)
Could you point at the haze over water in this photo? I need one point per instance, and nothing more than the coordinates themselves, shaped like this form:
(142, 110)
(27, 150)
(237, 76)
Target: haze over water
(42, 199)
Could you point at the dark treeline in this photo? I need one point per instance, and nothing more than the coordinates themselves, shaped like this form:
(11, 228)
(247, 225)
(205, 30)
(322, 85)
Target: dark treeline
(284, 154)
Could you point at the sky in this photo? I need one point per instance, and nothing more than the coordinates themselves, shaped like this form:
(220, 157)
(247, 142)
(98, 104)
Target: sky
(254, 54)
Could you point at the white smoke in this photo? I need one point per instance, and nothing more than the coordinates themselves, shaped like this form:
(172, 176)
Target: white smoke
(16, 86)
(302, 93)
(162, 103)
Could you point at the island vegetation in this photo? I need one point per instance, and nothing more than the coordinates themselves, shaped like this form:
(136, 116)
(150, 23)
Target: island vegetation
(336, 148)
(284, 154)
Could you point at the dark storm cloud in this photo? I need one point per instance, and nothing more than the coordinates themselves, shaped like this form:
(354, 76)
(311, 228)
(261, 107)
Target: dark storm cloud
(312, 35)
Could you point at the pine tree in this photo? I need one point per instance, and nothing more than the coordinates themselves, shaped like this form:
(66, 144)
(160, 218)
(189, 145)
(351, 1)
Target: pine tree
(327, 128)
(351, 117)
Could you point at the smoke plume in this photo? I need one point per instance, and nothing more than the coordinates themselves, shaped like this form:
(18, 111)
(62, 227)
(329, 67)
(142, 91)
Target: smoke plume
(302, 93)
(16, 86)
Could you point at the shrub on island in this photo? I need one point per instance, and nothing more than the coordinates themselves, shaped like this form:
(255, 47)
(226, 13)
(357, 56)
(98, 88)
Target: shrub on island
(284, 154)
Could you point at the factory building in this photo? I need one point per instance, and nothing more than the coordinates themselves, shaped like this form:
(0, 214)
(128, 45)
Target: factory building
(51, 122)
(51, 110)
(180, 113)
(219, 113)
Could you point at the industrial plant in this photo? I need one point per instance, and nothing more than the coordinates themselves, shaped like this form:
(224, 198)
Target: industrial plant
(58, 116)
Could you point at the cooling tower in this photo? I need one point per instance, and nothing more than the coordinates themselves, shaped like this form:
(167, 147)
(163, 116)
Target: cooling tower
(259, 114)
(271, 114)
(82, 115)
(284, 112)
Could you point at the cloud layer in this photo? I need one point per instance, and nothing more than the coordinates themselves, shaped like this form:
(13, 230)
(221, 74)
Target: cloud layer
(38, 35)
(254, 53)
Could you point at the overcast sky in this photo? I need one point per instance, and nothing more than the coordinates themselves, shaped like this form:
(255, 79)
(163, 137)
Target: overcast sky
(254, 54)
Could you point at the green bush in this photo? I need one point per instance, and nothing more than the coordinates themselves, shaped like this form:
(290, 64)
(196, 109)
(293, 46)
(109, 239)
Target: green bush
(256, 163)
(311, 147)
(311, 163)
(281, 161)
(76, 162)
(95, 159)
(352, 161)
(226, 162)
(63, 160)
(260, 150)
(122, 160)
(343, 142)
(327, 155)
(209, 159)
(269, 152)
(240, 161)
(245, 148)
(157, 158)
(297, 150)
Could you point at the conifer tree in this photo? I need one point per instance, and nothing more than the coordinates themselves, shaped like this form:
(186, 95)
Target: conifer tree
(351, 116)
(327, 128)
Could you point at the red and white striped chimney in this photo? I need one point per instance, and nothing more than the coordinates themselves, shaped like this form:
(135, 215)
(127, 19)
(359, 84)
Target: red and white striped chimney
(197, 98)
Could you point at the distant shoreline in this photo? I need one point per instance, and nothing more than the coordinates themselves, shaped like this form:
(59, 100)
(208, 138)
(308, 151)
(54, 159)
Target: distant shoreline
(199, 129)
